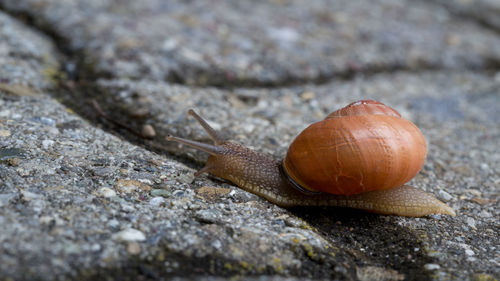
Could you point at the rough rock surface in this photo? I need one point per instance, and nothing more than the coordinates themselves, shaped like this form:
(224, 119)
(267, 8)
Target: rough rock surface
(484, 12)
(27, 58)
(262, 43)
(77, 202)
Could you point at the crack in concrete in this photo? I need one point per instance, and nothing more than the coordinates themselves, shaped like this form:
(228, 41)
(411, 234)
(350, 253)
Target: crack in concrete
(322, 79)
(472, 17)
(83, 70)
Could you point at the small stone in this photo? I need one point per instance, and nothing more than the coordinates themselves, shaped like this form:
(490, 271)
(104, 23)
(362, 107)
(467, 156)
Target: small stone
(28, 196)
(484, 167)
(432, 266)
(6, 153)
(53, 131)
(129, 235)
(483, 277)
(211, 192)
(46, 121)
(146, 182)
(113, 223)
(106, 192)
(169, 44)
(368, 272)
(236, 102)
(102, 171)
(13, 162)
(308, 95)
(126, 207)
(191, 55)
(481, 201)
(18, 90)
(469, 252)
(206, 216)
(156, 201)
(4, 133)
(95, 247)
(6, 198)
(155, 162)
(133, 248)
(474, 192)
(160, 192)
(140, 111)
(186, 178)
(169, 182)
(471, 222)
(47, 220)
(72, 248)
(485, 214)
(247, 128)
(47, 143)
(435, 254)
(5, 113)
(445, 195)
(127, 186)
(148, 131)
(283, 34)
(216, 244)
(453, 40)
(22, 172)
(179, 193)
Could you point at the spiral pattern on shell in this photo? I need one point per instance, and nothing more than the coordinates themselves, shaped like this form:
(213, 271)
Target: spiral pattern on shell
(364, 146)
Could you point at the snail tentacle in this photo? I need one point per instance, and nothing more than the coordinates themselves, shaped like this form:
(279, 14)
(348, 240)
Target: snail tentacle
(212, 133)
(212, 149)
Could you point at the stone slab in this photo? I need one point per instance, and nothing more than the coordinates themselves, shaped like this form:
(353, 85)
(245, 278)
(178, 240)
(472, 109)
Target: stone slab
(77, 202)
(260, 42)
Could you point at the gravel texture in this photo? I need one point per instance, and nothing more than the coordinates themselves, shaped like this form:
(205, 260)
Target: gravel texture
(484, 12)
(80, 203)
(27, 58)
(77, 202)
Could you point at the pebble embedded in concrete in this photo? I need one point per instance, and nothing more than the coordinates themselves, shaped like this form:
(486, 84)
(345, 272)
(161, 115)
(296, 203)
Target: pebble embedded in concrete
(129, 235)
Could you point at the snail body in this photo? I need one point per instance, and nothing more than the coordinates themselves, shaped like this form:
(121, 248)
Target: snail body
(358, 156)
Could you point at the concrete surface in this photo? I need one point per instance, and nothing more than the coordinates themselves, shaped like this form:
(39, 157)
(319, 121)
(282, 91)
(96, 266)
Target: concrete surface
(81, 198)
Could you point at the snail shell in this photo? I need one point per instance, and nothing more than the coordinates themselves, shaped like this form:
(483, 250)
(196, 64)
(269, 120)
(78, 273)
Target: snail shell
(364, 146)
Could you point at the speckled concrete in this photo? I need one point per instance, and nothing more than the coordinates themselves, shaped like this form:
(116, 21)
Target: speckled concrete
(261, 43)
(77, 202)
(27, 58)
(484, 12)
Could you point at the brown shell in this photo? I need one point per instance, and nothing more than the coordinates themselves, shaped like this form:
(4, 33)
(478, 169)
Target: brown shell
(364, 107)
(362, 147)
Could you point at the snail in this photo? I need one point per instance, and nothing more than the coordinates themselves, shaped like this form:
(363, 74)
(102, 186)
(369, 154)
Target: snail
(359, 156)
